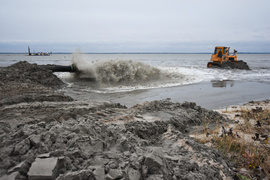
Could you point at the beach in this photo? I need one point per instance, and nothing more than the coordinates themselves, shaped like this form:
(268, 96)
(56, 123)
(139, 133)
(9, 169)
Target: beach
(42, 128)
(211, 95)
(139, 134)
(134, 90)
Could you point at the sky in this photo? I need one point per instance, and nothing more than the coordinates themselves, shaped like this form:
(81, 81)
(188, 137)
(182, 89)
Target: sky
(104, 26)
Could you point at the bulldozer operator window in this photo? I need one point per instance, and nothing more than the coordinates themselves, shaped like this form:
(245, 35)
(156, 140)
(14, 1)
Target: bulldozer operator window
(220, 53)
(216, 49)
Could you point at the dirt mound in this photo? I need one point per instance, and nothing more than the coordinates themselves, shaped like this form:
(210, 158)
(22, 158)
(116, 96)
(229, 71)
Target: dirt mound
(109, 141)
(240, 64)
(24, 72)
(25, 82)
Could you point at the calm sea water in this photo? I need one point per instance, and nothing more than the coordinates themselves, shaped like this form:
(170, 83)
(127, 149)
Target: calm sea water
(135, 78)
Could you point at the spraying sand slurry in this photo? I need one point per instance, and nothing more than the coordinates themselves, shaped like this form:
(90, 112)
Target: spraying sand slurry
(128, 73)
(95, 140)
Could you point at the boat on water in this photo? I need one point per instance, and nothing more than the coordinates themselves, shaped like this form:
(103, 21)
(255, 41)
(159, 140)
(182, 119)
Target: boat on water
(38, 53)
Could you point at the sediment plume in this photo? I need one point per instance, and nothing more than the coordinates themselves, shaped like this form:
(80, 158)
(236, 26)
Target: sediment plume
(125, 72)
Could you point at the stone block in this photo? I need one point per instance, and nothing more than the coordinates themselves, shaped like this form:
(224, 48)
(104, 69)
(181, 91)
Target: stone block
(44, 169)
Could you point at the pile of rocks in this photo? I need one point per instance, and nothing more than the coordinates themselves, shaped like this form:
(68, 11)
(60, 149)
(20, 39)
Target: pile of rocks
(109, 141)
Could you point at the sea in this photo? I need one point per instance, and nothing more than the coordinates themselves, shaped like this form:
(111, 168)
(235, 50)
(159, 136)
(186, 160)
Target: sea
(130, 79)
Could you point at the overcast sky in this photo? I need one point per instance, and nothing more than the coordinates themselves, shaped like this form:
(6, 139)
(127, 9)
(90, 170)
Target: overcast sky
(134, 26)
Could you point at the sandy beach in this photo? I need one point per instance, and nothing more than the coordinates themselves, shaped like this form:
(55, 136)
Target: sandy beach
(41, 128)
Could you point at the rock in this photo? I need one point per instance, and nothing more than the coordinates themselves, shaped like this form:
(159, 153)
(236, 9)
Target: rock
(64, 164)
(77, 175)
(154, 159)
(35, 140)
(209, 171)
(195, 176)
(133, 174)
(122, 144)
(25, 168)
(19, 171)
(22, 147)
(42, 156)
(11, 176)
(15, 168)
(114, 174)
(44, 168)
(97, 145)
(113, 164)
(156, 177)
(98, 161)
(99, 173)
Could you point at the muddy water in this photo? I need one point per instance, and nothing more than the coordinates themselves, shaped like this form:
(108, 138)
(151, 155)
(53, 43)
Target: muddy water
(134, 78)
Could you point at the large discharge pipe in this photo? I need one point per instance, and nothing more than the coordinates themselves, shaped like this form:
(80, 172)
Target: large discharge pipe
(59, 68)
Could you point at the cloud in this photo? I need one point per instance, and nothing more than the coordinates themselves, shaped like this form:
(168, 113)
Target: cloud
(134, 24)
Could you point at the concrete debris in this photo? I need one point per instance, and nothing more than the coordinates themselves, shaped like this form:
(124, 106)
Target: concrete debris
(43, 168)
(110, 148)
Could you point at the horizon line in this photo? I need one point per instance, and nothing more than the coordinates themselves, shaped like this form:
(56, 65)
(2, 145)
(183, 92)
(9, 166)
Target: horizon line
(138, 52)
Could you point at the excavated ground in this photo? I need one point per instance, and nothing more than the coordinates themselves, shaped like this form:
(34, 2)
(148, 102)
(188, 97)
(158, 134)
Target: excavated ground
(93, 140)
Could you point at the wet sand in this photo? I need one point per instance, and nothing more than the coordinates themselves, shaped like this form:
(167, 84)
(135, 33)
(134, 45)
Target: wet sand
(210, 95)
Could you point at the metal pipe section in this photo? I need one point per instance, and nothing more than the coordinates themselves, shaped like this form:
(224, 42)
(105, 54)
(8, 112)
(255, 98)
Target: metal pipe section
(58, 68)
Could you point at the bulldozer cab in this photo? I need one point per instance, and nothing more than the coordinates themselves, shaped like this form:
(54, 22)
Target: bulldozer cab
(221, 54)
(220, 51)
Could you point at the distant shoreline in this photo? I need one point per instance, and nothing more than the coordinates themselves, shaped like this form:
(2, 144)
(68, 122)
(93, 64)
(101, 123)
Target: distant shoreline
(137, 53)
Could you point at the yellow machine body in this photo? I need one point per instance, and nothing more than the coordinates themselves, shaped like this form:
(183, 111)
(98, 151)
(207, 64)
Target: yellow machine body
(221, 54)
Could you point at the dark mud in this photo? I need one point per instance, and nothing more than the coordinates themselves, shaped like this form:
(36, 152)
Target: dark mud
(91, 140)
(25, 82)
(240, 64)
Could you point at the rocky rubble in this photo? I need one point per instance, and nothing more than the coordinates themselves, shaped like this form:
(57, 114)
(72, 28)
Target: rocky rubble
(71, 140)
(110, 141)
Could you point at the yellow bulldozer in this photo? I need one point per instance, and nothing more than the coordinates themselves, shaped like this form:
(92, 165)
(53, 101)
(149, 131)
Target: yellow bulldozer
(222, 59)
